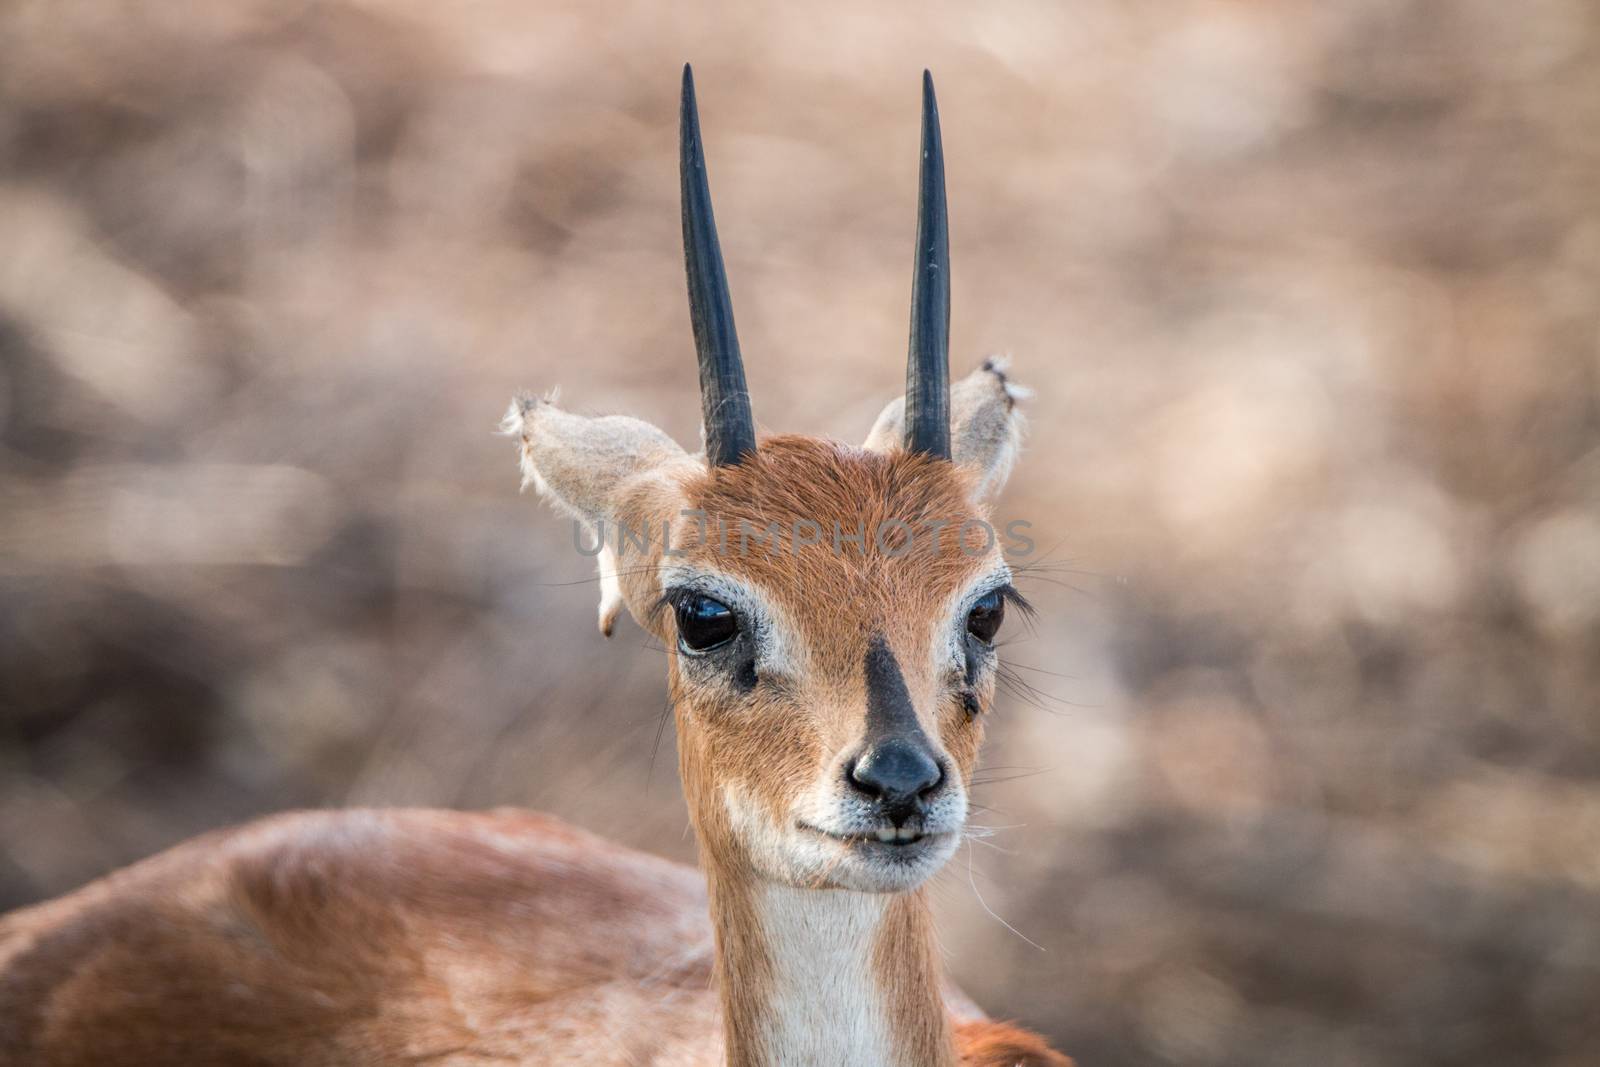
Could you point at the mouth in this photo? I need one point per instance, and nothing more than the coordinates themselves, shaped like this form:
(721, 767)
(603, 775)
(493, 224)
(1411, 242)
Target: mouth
(882, 859)
(894, 838)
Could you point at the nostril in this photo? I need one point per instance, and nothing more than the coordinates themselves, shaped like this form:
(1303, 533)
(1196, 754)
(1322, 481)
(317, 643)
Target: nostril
(861, 774)
(851, 777)
(896, 770)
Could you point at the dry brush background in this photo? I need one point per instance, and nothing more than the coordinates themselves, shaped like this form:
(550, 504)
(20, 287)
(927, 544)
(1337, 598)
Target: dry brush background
(1306, 769)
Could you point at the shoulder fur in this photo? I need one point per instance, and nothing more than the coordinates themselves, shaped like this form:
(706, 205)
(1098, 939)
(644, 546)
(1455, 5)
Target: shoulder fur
(982, 1043)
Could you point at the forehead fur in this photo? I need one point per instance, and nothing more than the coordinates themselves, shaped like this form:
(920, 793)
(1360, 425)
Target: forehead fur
(796, 481)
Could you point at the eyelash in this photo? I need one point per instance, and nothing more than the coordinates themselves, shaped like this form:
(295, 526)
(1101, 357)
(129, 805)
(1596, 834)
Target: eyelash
(1009, 594)
(1011, 597)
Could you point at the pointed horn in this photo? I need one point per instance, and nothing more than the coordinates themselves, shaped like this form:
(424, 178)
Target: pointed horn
(724, 398)
(928, 361)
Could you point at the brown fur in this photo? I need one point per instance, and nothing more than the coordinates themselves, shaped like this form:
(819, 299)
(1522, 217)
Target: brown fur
(354, 938)
(794, 478)
(364, 937)
(991, 1044)
(906, 959)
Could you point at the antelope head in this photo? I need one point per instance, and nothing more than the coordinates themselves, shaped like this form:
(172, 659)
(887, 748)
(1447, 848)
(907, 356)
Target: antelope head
(831, 610)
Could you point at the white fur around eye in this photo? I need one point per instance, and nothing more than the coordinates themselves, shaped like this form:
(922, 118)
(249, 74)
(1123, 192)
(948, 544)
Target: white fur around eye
(774, 650)
(949, 645)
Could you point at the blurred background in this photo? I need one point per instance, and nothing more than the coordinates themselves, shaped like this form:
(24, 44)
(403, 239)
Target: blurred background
(1304, 762)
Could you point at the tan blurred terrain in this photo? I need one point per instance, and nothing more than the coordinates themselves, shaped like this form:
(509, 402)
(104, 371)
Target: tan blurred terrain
(1302, 765)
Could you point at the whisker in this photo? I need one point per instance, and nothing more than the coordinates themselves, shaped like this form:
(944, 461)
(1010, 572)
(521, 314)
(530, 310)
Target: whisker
(661, 729)
(1021, 690)
(978, 840)
(977, 781)
(1024, 690)
(1045, 562)
(1058, 583)
(973, 882)
(1041, 670)
(630, 572)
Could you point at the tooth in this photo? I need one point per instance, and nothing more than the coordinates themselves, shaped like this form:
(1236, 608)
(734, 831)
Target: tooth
(886, 835)
(907, 833)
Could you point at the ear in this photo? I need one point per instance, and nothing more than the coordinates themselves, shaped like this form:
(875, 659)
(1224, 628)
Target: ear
(608, 473)
(985, 426)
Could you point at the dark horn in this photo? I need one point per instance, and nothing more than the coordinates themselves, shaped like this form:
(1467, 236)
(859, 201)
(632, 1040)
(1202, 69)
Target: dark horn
(928, 361)
(724, 398)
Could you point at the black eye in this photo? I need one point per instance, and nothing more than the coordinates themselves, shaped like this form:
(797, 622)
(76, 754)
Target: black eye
(984, 620)
(703, 623)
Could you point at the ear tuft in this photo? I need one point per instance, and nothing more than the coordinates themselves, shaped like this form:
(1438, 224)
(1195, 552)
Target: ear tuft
(611, 598)
(985, 426)
(519, 423)
(1000, 367)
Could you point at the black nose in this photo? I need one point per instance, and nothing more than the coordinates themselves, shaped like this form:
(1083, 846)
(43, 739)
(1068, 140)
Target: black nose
(897, 772)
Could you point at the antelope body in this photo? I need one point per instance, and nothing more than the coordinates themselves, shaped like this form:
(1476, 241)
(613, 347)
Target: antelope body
(830, 701)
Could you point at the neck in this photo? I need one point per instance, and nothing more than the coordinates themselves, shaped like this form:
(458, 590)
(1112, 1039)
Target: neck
(827, 976)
